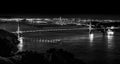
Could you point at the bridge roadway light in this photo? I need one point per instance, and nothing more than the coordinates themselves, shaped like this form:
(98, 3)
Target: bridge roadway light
(112, 27)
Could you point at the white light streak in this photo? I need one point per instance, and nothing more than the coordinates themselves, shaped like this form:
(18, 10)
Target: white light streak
(109, 32)
(110, 41)
(20, 45)
(91, 37)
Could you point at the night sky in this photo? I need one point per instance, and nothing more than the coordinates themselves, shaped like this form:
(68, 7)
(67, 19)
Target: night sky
(65, 10)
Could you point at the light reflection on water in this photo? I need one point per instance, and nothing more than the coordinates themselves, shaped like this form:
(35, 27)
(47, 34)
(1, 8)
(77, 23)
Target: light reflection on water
(91, 37)
(20, 45)
(110, 41)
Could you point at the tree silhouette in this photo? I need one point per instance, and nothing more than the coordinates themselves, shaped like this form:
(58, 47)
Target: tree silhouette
(8, 43)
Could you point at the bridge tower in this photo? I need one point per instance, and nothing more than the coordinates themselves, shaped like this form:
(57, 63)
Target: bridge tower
(90, 27)
(20, 39)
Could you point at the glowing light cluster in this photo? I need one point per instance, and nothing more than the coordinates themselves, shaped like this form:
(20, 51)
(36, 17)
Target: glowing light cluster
(91, 37)
(109, 32)
(20, 45)
(110, 39)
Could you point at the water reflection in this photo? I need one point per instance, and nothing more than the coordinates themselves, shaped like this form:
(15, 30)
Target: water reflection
(91, 37)
(110, 40)
(20, 45)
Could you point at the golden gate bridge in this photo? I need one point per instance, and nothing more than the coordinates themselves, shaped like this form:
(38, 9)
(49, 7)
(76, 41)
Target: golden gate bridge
(90, 28)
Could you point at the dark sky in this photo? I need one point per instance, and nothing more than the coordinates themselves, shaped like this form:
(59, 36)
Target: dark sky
(61, 10)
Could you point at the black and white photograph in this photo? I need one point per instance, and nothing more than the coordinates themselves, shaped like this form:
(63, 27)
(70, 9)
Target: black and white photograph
(60, 36)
